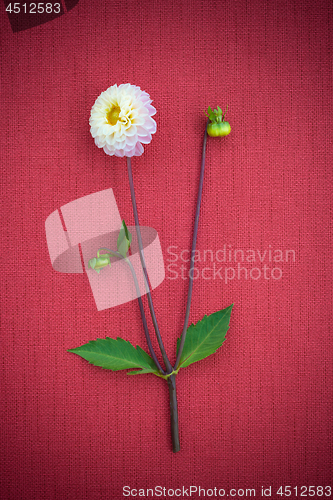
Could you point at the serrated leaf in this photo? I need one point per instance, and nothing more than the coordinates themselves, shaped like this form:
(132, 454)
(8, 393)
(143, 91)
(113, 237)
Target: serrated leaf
(149, 362)
(116, 354)
(141, 372)
(205, 337)
(124, 240)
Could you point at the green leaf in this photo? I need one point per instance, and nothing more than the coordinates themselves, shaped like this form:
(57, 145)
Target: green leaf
(205, 337)
(116, 354)
(124, 240)
(148, 360)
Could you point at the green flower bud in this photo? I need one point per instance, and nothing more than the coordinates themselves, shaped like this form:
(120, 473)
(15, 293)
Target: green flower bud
(217, 126)
(99, 263)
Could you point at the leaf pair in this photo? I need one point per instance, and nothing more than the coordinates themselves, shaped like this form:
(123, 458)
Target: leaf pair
(202, 340)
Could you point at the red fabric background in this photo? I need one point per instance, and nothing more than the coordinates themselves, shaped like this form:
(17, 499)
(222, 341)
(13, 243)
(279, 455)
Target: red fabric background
(257, 413)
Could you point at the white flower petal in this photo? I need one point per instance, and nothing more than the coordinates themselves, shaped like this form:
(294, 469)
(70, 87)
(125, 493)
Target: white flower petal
(129, 151)
(150, 125)
(145, 139)
(106, 129)
(151, 110)
(120, 144)
(132, 140)
(110, 140)
(131, 131)
(139, 120)
(109, 150)
(138, 149)
(141, 131)
(99, 142)
(119, 152)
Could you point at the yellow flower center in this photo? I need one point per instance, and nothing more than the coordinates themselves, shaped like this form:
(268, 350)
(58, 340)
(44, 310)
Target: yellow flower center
(112, 115)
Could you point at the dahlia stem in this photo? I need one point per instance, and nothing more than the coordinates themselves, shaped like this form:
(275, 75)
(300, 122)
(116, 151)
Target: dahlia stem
(194, 241)
(143, 316)
(150, 302)
(174, 413)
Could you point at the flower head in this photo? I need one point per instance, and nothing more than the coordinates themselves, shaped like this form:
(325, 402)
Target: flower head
(121, 120)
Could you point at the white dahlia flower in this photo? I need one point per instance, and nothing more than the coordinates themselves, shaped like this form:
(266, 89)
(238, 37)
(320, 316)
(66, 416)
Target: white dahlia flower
(121, 120)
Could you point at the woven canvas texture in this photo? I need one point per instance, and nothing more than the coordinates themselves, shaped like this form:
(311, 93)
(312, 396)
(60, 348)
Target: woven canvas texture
(258, 413)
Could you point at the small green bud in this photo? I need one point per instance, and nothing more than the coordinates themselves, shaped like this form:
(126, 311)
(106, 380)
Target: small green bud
(99, 263)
